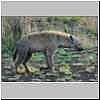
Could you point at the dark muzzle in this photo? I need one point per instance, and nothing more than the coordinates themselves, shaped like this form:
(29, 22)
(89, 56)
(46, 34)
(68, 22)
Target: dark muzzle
(80, 49)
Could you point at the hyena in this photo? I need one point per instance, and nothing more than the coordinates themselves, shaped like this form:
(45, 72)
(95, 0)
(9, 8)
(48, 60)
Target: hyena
(46, 42)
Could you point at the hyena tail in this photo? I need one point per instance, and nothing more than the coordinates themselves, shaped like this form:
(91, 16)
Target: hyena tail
(14, 54)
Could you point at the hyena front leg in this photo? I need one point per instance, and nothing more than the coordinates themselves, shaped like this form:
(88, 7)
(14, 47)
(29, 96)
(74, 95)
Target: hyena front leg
(50, 58)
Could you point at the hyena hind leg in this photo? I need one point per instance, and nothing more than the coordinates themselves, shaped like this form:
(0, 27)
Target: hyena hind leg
(18, 61)
(26, 58)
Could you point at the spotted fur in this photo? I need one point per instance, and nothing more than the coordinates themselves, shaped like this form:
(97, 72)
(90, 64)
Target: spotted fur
(46, 42)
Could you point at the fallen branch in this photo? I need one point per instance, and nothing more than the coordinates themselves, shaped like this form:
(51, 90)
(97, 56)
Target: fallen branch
(87, 50)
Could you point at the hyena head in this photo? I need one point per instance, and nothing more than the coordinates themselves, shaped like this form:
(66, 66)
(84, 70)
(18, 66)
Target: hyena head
(74, 42)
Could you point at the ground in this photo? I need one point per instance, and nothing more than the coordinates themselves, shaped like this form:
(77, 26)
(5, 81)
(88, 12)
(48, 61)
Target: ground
(66, 69)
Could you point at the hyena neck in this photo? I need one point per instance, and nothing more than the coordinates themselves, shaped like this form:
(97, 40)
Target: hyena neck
(61, 40)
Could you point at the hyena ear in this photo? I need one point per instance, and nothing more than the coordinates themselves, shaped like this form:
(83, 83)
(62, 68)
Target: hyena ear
(71, 37)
